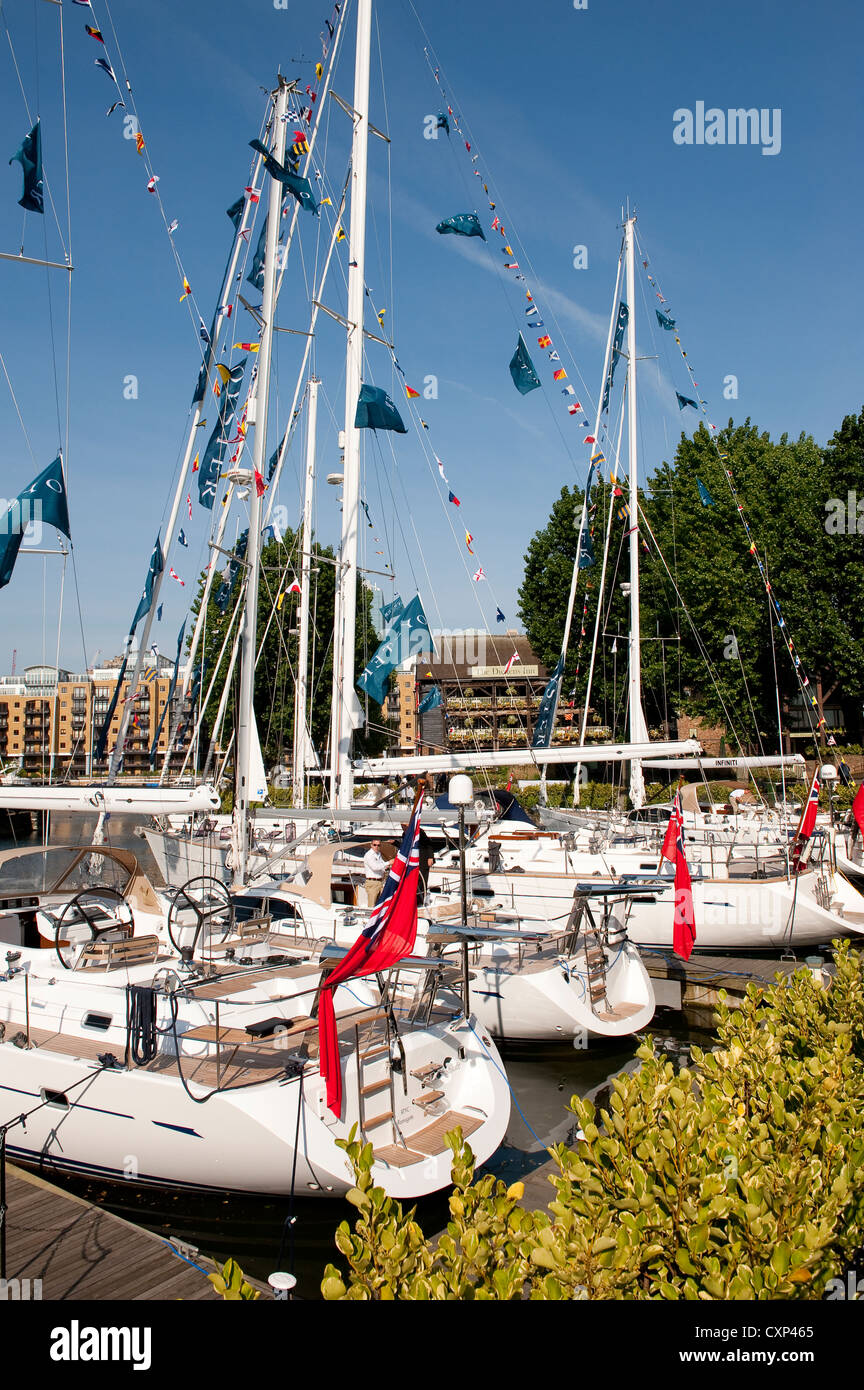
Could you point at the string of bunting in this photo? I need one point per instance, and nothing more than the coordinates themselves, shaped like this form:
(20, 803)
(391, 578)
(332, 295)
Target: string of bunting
(522, 368)
(669, 325)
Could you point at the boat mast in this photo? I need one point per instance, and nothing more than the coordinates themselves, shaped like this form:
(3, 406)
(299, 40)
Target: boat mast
(638, 727)
(345, 714)
(257, 415)
(301, 734)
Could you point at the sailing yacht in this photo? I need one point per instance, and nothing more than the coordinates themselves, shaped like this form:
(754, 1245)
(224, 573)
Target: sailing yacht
(125, 1059)
(195, 1066)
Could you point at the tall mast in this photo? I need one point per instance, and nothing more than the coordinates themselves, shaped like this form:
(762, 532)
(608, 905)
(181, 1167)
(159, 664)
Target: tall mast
(301, 736)
(638, 727)
(345, 713)
(258, 412)
(170, 530)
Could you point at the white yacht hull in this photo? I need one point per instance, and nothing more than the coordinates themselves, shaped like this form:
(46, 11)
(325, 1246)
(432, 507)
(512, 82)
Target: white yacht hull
(731, 916)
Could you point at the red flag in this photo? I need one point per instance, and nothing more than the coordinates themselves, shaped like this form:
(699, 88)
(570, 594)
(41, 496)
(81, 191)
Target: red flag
(670, 839)
(684, 928)
(806, 823)
(858, 809)
(684, 921)
(509, 781)
(260, 486)
(388, 936)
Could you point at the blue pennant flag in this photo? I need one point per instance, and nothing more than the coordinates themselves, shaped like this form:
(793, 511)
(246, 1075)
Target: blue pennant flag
(390, 611)
(226, 588)
(376, 411)
(408, 636)
(522, 371)
(44, 501)
(156, 566)
(686, 400)
(235, 212)
(586, 550)
(542, 736)
(620, 326)
(461, 224)
(431, 701)
(499, 616)
(300, 188)
(443, 123)
(705, 496)
(29, 156)
(182, 538)
(665, 321)
(208, 473)
(256, 274)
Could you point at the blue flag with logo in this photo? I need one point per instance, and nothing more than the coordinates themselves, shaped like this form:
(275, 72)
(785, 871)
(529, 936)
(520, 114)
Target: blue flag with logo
(43, 501)
(522, 371)
(300, 188)
(461, 224)
(408, 636)
(620, 325)
(29, 156)
(431, 701)
(376, 411)
(157, 564)
(391, 610)
(542, 735)
(208, 473)
(704, 495)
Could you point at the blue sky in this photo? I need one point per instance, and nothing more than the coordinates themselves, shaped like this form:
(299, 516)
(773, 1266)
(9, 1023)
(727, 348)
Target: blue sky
(571, 113)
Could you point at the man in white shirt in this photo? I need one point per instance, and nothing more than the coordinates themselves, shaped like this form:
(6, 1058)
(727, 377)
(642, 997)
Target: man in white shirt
(376, 870)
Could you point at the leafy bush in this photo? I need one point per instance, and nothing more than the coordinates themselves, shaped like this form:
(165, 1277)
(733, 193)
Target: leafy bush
(738, 1178)
(231, 1283)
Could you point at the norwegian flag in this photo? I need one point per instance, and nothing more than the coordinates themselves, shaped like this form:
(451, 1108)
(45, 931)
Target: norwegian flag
(684, 923)
(387, 937)
(806, 824)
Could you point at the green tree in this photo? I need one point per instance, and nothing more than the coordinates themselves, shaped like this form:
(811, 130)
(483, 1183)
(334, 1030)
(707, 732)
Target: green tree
(706, 627)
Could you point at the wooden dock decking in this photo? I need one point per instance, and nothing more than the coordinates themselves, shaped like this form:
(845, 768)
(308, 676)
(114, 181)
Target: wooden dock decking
(81, 1252)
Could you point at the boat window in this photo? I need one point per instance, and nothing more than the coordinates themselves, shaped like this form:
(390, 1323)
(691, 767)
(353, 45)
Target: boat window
(100, 1021)
(57, 1099)
(280, 910)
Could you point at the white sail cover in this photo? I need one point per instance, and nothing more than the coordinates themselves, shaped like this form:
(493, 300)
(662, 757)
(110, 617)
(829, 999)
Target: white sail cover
(257, 775)
(572, 753)
(117, 801)
(741, 765)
